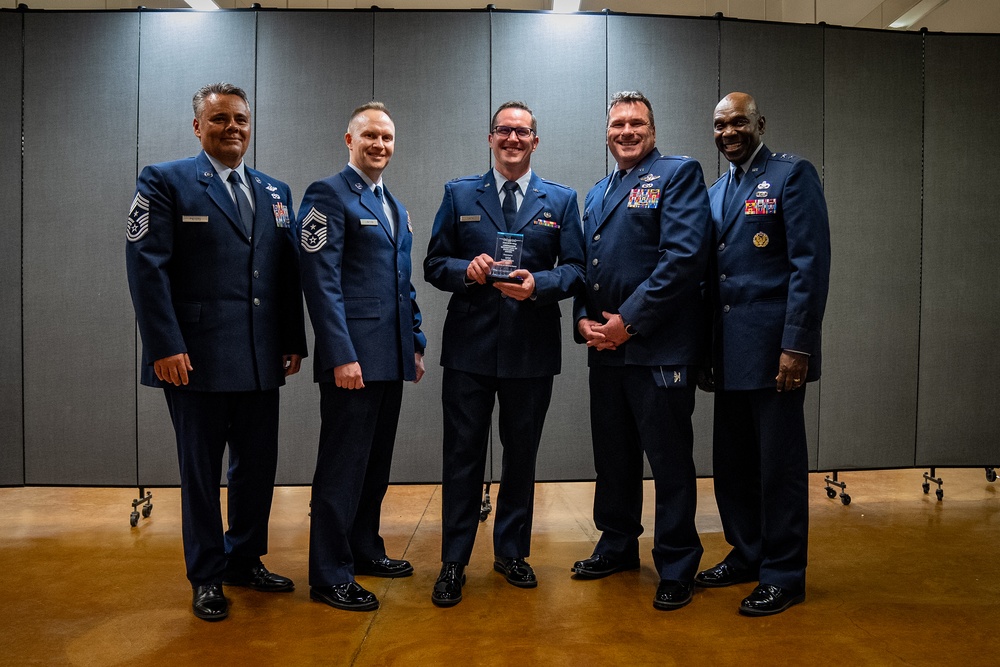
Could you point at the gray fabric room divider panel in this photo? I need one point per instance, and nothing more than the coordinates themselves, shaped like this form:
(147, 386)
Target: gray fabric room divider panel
(313, 69)
(432, 70)
(675, 63)
(178, 54)
(11, 423)
(781, 65)
(957, 418)
(870, 334)
(556, 64)
(79, 157)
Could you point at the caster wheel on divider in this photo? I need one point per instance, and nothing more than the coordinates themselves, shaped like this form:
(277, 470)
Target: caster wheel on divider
(133, 519)
(146, 511)
(991, 475)
(846, 499)
(927, 487)
(830, 493)
(940, 494)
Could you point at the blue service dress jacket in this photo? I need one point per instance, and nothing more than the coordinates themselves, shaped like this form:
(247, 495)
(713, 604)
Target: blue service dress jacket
(201, 285)
(356, 280)
(772, 264)
(647, 252)
(485, 332)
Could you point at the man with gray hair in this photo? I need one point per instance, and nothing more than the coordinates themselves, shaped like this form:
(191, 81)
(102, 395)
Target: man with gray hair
(646, 231)
(212, 270)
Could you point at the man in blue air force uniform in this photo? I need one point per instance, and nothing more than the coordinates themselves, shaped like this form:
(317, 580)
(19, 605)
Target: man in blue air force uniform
(646, 229)
(770, 280)
(501, 341)
(213, 276)
(356, 239)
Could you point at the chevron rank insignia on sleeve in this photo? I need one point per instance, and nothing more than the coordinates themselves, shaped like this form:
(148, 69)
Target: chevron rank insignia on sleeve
(138, 218)
(313, 231)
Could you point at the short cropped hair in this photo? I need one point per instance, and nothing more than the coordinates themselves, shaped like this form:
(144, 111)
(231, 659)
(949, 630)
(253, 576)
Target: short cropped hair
(514, 104)
(198, 102)
(628, 97)
(374, 105)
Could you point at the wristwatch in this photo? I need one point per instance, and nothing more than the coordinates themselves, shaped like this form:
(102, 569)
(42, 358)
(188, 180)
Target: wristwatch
(629, 329)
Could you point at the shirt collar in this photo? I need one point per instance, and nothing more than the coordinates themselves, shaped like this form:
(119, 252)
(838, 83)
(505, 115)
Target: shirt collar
(522, 182)
(223, 171)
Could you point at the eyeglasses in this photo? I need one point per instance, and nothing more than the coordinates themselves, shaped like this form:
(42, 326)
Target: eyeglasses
(504, 131)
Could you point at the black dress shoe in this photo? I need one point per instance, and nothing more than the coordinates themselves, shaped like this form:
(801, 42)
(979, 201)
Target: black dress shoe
(672, 594)
(767, 600)
(599, 565)
(516, 571)
(448, 587)
(349, 596)
(209, 603)
(258, 578)
(384, 567)
(722, 575)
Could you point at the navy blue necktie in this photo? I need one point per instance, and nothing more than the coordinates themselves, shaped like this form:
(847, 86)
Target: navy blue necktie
(616, 180)
(242, 203)
(385, 209)
(734, 186)
(510, 204)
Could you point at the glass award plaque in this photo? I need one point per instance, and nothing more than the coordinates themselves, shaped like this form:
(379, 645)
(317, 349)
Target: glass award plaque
(507, 258)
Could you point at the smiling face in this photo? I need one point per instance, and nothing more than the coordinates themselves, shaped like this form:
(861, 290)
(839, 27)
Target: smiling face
(512, 153)
(223, 126)
(738, 126)
(371, 139)
(631, 135)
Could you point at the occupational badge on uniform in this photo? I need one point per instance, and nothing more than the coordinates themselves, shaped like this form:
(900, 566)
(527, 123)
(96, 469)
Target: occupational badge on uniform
(257, 178)
(281, 217)
(646, 185)
(760, 240)
(760, 193)
(313, 231)
(643, 198)
(648, 178)
(760, 206)
(137, 223)
(763, 185)
(271, 188)
(275, 195)
(546, 214)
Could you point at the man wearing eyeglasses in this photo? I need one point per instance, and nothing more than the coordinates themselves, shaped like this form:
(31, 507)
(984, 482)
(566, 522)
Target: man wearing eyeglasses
(501, 340)
(640, 313)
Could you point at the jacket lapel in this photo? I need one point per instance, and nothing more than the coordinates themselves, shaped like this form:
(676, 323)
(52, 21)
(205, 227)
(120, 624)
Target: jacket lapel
(218, 192)
(630, 181)
(367, 198)
(531, 205)
(745, 190)
(489, 200)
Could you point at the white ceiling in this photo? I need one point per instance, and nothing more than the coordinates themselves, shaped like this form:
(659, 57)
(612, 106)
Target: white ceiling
(935, 15)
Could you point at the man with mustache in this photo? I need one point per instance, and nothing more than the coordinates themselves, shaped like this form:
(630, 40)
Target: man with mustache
(770, 280)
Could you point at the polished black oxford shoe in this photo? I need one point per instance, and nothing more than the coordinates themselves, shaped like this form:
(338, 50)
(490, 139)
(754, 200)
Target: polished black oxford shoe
(258, 578)
(349, 596)
(723, 575)
(209, 603)
(516, 571)
(672, 594)
(448, 587)
(384, 567)
(599, 565)
(767, 599)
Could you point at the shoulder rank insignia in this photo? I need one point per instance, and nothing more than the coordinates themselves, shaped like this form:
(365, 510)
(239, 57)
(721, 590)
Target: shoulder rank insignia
(313, 230)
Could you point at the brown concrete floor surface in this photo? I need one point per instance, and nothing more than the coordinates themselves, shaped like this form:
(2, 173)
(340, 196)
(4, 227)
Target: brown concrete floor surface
(895, 578)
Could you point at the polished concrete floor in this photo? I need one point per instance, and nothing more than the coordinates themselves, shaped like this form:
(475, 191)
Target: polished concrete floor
(895, 578)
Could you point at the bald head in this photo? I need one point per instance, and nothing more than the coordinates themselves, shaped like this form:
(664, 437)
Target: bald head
(738, 127)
